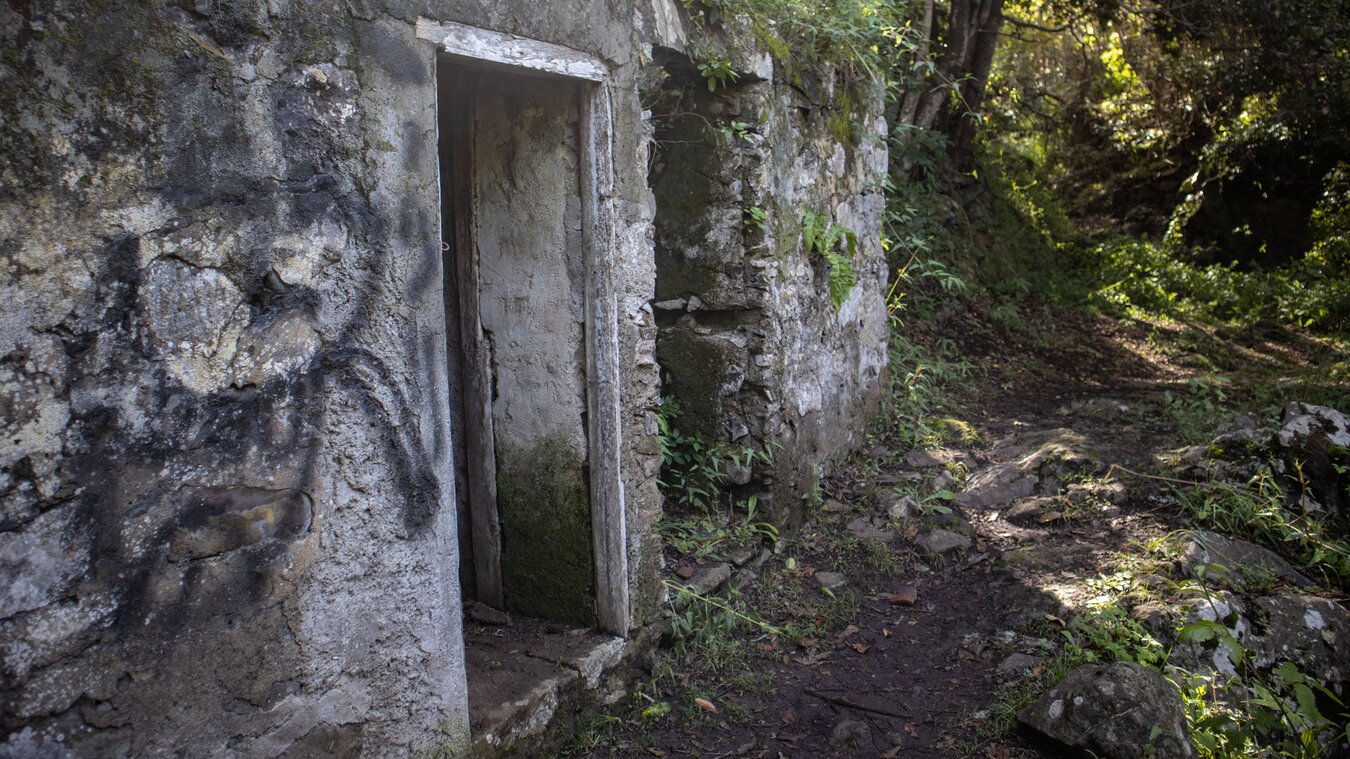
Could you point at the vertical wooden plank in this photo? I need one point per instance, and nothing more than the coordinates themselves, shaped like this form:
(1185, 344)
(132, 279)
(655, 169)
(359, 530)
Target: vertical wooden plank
(481, 463)
(608, 517)
(454, 343)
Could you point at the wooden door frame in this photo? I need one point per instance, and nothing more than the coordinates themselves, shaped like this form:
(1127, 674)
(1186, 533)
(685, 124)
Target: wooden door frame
(481, 48)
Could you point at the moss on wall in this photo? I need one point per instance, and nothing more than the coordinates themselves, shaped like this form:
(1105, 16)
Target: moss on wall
(543, 501)
(698, 367)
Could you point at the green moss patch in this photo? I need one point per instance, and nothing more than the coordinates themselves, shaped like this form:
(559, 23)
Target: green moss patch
(543, 500)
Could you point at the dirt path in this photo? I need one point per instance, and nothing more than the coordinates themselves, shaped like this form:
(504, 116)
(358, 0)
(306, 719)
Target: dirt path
(917, 644)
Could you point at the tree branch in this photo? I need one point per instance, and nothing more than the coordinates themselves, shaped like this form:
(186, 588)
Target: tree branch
(1017, 22)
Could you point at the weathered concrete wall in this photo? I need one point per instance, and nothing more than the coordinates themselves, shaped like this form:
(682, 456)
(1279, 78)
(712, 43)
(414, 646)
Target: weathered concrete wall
(227, 523)
(750, 343)
(227, 508)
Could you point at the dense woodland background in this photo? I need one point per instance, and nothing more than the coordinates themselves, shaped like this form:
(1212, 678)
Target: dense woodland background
(1189, 158)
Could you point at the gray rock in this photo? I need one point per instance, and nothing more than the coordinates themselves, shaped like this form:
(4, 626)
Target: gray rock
(1106, 408)
(36, 567)
(850, 731)
(828, 580)
(931, 457)
(944, 480)
(1028, 511)
(863, 529)
(1312, 633)
(1312, 442)
(938, 542)
(1113, 712)
(898, 506)
(997, 485)
(1034, 448)
(712, 576)
(1304, 422)
(1107, 492)
(741, 555)
(1218, 560)
(1018, 664)
(487, 615)
(894, 478)
(1165, 619)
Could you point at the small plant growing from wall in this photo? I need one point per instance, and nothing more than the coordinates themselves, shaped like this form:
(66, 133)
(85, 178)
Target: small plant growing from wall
(694, 479)
(838, 244)
(716, 70)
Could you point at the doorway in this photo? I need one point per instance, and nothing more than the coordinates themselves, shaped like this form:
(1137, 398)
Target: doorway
(515, 305)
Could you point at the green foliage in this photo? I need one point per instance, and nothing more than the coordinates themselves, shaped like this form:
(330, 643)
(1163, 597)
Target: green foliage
(756, 217)
(1145, 279)
(701, 538)
(716, 71)
(1272, 712)
(1196, 411)
(820, 235)
(694, 481)
(706, 626)
(1199, 129)
(918, 379)
(695, 474)
(862, 34)
(1258, 511)
(1275, 713)
(1105, 630)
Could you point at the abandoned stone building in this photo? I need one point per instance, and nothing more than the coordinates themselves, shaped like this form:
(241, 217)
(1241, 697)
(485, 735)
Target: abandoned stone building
(320, 321)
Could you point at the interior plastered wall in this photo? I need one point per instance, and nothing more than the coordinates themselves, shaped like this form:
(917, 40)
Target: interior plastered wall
(226, 524)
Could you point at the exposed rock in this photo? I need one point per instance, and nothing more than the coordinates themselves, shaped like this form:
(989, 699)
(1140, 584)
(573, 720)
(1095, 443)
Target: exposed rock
(487, 615)
(1106, 408)
(741, 555)
(850, 732)
(1035, 448)
(36, 567)
(1165, 619)
(706, 581)
(906, 596)
(939, 542)
(1018, 664)
(828, 580)
(997, 485)
(898, 506)
(1220, 560)
(944, 480)
(1303, 630)
(1312, 633)
(1124, 711)
(931, 457)
(1028, 511)
(863, 529)
(1107, 492)
(1312, 451)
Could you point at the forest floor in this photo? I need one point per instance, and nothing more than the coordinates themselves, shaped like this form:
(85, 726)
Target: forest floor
(920, 649)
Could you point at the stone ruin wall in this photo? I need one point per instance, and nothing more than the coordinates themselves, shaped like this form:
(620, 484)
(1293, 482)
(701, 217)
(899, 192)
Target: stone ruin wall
(750, 344)
(226, 522)
(224, 474)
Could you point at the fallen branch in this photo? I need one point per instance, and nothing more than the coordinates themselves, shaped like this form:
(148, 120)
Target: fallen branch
(1192, 483)
(849, 704)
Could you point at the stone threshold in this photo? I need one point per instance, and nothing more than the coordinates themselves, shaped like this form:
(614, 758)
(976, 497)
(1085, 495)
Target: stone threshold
(522, 672)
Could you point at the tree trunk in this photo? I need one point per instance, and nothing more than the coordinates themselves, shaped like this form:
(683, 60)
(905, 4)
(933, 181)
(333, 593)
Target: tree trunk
(971, 38)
